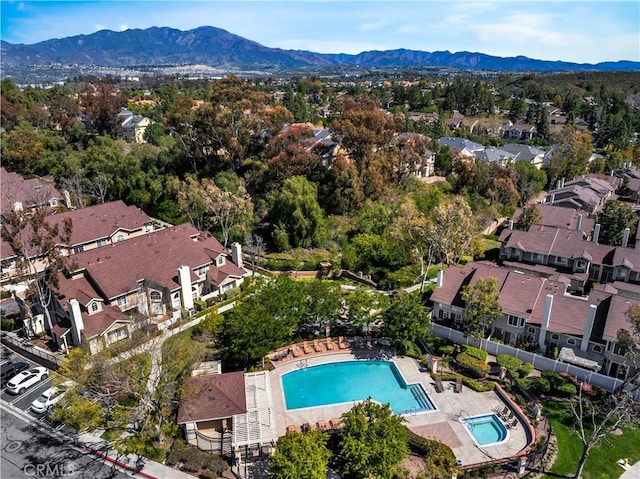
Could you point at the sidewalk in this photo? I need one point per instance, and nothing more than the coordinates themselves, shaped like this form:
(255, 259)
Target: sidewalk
(93, 444)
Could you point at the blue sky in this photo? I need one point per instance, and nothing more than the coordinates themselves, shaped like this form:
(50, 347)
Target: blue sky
(577, 31)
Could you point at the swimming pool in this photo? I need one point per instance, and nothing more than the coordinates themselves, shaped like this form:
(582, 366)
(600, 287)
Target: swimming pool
(486, 430)
(348, 381)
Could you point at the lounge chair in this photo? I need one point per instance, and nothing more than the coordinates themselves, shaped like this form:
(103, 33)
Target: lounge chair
(322, 425)
(317, 346)
(513, 424)
(292, 428)
(501, 411)
(335, 423)
(295, 350)
(342, 344)
(439, 387)
(306, 348)
(306, 427)
(458, 387)
(330, 345)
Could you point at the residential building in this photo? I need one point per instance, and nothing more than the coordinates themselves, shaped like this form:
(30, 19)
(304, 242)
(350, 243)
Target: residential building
(586, 193)
(519, 131)
(540, 313)
(560, 217)
(132, 127)
(528, 153)
(151, 279)
(496, 156)
(460, 146)
(26, 195)
(426, 167)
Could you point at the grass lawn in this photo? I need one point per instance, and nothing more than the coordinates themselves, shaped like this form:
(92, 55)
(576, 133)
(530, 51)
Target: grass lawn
(602, 461)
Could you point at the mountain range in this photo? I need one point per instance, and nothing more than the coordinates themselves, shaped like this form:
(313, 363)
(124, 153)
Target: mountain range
(221, 49)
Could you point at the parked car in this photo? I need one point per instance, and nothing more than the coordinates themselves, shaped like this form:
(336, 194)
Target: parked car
(10, 369)
(50, 397)
(23, 381)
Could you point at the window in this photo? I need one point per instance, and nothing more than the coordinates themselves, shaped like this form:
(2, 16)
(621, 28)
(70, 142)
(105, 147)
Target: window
(597, 349)
(156, 296)
(531, 338)
(515, 321)
(119, 238)
(103, 242)
(562, 261)
(443, 314)
(117, 335)
(53, 202)
(571, 341)
(220, 260)
(555, 336)
(121, 301)
(532, 330)
(78, 249)
(194, 292)
(94, 307)
(200, 271)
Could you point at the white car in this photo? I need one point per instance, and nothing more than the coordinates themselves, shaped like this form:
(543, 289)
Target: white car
(50, 397)
(23, 381)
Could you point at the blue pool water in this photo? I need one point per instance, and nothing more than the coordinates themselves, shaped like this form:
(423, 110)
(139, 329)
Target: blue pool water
(487, 429)
(349, 381)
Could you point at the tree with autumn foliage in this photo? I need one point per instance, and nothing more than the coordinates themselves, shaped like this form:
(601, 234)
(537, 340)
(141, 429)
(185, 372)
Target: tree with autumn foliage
(290, 153)
(570, 157)
(207, 205)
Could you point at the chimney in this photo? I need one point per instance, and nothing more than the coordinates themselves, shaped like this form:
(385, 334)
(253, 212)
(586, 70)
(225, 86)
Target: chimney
(596, 233)
(440, 278)
(184, 275)
(552, 198)
(77, 325)
(625, 237)
(579, 222)
(588, 326)
(510, 224)
(236, 254)
(67, 198)
(562, 183)
(558, 185)
(546, 316)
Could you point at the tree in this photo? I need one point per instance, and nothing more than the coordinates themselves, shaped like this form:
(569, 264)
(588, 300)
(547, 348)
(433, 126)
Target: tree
(22, 148)
(101, 104)
(206, 204)
(451, 230)
(481, 306)
(530, 216)
(374, 442)
(300, 456)
(410, 229)
(35, 244)
(570, 157)
(255, 247)
(613, 220)
(530, 180)
(296, 215)
(406, 319)
(596, 416)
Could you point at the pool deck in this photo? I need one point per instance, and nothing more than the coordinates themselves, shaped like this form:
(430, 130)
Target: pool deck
(442, 424)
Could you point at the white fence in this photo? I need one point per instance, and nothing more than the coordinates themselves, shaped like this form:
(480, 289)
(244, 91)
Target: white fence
(539, 362)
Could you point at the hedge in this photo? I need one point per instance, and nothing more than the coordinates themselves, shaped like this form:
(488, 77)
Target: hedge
(470, 383)
(515, 366)
(473, 367)
(477, 353)
(194, 459)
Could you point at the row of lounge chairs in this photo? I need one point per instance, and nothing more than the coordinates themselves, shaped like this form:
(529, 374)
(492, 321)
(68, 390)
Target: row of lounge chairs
(309, 347)
(334, 424)
(507, 416)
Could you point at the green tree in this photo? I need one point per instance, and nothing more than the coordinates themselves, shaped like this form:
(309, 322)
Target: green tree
(570, 157)
(451, 230)
(406, 319)
(530, 216)
(613, 220)
(22, 149)
(296, 214)
(530, 180)
(265, 320)
(300, 456)
(373, 442)
(481, 306)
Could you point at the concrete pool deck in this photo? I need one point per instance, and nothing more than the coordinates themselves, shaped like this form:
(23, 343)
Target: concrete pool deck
(442, 424)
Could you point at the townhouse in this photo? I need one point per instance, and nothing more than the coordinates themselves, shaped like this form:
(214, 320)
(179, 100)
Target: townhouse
(149, 280)
(587, 193)
(541, 313)
(26, 195)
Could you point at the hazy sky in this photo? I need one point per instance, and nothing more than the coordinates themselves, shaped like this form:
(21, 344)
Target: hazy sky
(577, 31)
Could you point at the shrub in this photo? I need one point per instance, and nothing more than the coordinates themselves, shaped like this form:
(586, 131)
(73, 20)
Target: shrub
(199, 304)
(194, 460)
(446, 350)
(473, 367)
(470, 383)
(439, 458)
(515, 366)
(525, 369)
(536, 386)
(477, 353)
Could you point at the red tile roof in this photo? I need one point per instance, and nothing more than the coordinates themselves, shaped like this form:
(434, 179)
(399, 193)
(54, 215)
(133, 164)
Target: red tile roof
(116, 269)
(216, 396)
(31, 192)
(98, 323)
(617, 318)
(560, 217)
(101, 221)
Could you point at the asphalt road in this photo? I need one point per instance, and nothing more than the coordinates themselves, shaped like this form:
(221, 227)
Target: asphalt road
(33, 448)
